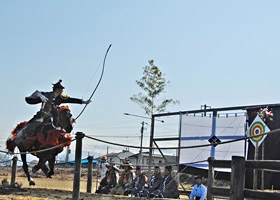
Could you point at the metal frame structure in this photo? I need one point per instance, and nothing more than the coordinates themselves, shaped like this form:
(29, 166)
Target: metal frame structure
(214, 111)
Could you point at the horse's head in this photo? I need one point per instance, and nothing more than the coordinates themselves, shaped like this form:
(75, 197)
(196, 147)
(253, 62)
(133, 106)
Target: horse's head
(64, 119)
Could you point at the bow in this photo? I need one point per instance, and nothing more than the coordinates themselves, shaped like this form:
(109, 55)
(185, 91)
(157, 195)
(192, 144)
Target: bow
(104, 61)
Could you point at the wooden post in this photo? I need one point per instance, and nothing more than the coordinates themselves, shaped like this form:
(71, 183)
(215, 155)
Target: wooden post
(262, 183)
(77, 169)
(255, 178)
(210, 179)
(237, 178)
(89, 179)
(14, 171)
(97, 173)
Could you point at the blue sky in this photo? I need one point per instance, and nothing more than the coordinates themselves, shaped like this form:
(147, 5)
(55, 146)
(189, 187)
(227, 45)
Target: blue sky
(218, 53)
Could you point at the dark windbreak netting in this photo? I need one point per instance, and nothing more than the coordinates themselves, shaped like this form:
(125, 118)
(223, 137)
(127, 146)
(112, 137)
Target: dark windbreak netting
(271, 151)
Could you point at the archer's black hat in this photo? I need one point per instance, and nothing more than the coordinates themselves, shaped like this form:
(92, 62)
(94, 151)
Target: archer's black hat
(198, 177)
(58, 85)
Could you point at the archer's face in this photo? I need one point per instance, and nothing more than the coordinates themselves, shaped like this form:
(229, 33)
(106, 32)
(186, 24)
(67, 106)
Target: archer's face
(58, 91)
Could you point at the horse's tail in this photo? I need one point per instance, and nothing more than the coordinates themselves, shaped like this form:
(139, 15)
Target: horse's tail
(10, 143)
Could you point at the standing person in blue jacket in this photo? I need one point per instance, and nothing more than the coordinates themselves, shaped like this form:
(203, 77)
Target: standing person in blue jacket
(199, 191)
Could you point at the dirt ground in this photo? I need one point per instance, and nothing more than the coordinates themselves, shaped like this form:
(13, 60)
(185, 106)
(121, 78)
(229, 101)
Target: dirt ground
(50, 194)
(59, 187)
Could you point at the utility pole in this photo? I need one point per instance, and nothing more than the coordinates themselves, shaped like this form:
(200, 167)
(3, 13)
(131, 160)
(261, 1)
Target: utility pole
(204, 107)
(67, 154)
(142, 132)
(141, 144)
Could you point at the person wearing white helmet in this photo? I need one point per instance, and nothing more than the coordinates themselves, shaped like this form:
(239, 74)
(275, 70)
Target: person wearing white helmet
(103, 166)
(110, 179)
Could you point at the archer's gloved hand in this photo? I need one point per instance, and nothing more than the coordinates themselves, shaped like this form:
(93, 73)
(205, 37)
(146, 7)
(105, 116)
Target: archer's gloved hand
(86, 102)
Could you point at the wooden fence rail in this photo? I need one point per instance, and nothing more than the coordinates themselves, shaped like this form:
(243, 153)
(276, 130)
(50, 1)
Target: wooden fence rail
(238, 166)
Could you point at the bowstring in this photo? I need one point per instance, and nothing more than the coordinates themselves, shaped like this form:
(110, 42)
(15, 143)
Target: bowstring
(104, 61)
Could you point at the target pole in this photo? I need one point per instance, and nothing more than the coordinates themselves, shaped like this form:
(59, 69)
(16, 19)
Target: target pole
(213, 133)
(255, 179)
(262, 183)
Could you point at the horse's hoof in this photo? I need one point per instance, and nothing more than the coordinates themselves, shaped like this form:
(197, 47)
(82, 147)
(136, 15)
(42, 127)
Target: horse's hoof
(31, 183)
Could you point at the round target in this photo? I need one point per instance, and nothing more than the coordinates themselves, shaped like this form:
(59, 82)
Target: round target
(257, 129)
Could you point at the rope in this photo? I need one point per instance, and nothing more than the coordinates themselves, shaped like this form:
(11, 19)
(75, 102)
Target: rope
(38, 151)
(185, 147)
(4, 161)
(163, 164)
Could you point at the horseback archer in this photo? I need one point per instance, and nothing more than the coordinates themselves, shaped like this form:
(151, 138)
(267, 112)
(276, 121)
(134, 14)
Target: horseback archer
(50, 102)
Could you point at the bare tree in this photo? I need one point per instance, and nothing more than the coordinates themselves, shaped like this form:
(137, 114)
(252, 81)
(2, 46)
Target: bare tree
(153, 85)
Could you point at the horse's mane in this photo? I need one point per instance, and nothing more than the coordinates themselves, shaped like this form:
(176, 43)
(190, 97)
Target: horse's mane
(63, 108)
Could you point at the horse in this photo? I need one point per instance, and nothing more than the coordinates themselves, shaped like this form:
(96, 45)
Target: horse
(48, 135)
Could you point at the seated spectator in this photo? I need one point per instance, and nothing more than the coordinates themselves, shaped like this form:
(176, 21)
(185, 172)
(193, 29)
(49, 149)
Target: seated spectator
(126, 178)
(199, 191)
(137, 185)
(102, 165)
(154, 183)
(169, 186)
(109, 181)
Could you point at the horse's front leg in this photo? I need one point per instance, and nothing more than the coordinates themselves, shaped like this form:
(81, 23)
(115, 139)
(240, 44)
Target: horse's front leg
(25, 169)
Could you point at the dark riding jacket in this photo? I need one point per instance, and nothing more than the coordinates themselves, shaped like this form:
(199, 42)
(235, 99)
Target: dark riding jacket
(48, 109)
(63, 98)
(169, 187)
(110, 179)
(139, 183)
(155, 182)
